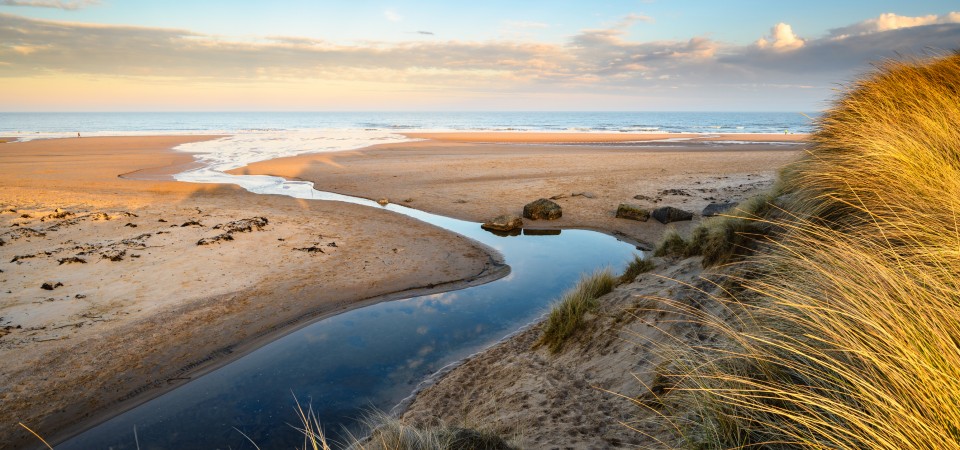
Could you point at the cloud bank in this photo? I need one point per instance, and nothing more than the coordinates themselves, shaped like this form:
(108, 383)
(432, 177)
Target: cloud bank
(595, 60)
(58, 4)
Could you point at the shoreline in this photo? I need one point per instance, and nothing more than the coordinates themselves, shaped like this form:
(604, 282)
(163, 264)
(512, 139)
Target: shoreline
(589, 137)
(476, 181)
(490, 268)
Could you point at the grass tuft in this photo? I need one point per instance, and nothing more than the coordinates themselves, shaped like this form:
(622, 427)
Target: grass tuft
(390, 433)
(636, 267)
(566, 316)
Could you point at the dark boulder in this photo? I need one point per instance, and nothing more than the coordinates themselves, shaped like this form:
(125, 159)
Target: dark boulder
(715, 208)
(667, 214)
(505, 222)
(632, 212)
(542, 209)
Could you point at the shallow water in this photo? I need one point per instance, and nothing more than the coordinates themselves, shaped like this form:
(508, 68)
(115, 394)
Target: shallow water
(372, 357)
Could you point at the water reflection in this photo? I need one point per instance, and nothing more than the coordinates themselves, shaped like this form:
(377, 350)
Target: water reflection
(371, 357)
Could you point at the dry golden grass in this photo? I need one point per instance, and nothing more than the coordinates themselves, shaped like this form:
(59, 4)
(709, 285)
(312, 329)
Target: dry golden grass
(567, 315)
(847, 334)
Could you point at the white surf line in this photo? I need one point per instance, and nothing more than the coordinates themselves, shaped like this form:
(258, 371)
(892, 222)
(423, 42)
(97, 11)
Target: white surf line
(238, 150)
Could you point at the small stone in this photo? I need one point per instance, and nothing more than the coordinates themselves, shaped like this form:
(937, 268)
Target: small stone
(383, 201)
(243, 225)
(542, 209)
(505, 222)
(667, 214)
(216, 239)
(72, 260)
(632, 212)
(113, 254)
(50, 285)
(79, 296)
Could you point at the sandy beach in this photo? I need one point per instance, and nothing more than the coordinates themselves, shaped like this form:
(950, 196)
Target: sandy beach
(477, 176)
(117, 245)
(129, 279)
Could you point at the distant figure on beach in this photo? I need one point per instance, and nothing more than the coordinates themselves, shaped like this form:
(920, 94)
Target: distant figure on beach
(78, 134)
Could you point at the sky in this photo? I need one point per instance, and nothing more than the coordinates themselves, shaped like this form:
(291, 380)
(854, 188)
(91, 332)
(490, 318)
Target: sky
(299, 55)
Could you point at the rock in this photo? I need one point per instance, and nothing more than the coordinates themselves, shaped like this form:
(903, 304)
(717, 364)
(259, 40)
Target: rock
(310, 249)
(504, 222)
(80, 296)
(680, 192)
(131, 225)
(584, 194)
(383, 201)
(542, 209)
(57, 214)
(113, 254)
(714, 208)
(49, 285)
(667, 214)
(101, 216)
(632, 212)
(216, 239)
(243, 225)
(191, 223)
(71, 260)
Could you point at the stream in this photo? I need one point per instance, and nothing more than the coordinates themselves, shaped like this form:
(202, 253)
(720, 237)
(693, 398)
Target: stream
(369, 358)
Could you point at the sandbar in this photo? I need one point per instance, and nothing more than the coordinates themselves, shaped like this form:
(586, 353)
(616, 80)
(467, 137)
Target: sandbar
(479, 180)
(136, 307)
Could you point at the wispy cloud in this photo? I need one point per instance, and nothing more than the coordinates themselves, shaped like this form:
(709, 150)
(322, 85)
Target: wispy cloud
(593, 60)
(392, 15)
(58, 4)
(630, 19)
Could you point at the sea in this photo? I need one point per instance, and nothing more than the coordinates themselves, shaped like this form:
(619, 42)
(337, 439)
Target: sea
(54, 124)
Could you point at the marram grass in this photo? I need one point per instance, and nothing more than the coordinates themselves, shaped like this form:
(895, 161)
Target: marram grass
(847, 335)
(566, 316)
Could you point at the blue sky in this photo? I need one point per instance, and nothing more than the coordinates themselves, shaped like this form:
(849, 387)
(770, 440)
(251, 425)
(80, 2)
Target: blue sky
(645, 55)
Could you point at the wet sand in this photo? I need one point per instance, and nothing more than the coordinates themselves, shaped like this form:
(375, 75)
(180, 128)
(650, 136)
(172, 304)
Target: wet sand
(137, 307)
